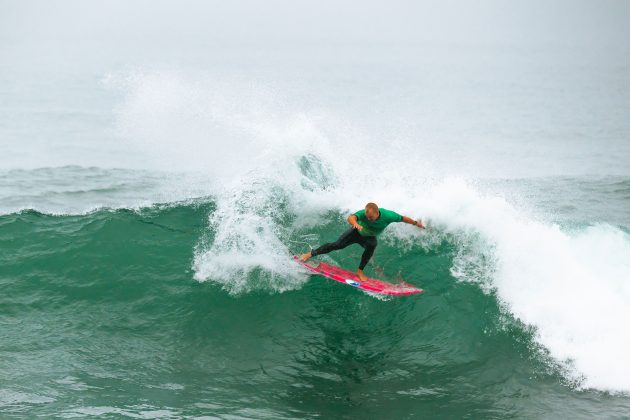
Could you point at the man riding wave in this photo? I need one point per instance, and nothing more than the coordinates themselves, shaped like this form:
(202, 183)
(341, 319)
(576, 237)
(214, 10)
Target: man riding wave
(366, 224)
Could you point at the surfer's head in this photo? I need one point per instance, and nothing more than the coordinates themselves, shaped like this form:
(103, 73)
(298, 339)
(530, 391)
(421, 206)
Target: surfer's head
(371, 211)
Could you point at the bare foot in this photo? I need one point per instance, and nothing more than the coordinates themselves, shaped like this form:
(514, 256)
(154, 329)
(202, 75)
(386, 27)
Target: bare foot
(305, 257)
(362, 276)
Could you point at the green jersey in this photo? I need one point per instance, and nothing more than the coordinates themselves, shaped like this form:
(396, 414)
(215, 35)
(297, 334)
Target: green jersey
(376, 227)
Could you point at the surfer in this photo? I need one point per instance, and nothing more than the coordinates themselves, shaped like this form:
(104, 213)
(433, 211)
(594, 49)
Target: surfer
(366, 225)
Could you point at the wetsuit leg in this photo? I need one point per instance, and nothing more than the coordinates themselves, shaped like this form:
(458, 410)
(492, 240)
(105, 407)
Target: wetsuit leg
(369, 244)
(351, 236)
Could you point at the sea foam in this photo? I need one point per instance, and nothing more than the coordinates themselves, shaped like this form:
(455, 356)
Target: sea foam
(573, 287)
(277, 169)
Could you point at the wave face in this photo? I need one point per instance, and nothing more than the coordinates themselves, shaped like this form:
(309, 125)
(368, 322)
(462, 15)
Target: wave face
(193, 307)
(159, 281)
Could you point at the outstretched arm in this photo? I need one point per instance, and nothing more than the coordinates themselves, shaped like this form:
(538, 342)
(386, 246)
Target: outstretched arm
(418, 223)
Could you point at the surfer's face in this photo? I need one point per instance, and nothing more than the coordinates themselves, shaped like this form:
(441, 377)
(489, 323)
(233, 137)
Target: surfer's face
(371, 214)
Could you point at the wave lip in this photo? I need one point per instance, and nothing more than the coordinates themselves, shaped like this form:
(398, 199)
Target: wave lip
(573, 287)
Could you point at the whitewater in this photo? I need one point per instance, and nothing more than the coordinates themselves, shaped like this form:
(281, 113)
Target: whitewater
(152, 196)
(281, 174)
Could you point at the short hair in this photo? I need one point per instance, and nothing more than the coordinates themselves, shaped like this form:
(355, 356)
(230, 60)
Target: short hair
(371, 206)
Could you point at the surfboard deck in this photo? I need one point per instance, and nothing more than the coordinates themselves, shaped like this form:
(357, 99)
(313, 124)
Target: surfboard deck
(351, 279)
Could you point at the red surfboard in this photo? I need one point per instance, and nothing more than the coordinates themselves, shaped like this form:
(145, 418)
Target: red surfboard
(350, 278)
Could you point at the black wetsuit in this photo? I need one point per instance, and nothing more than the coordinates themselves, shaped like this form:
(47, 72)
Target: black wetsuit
(351, 236)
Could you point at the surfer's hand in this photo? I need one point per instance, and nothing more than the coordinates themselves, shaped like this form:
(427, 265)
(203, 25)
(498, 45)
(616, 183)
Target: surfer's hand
(420, 224)
(357, 226)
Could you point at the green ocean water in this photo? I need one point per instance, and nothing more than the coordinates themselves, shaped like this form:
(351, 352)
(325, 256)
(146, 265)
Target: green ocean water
(161, 162)
(101, 316)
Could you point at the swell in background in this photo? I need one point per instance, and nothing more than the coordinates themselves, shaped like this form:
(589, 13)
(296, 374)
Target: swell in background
(275, 170)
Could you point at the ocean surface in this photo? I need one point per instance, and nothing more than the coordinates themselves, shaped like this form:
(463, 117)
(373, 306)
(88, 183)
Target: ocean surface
(152, 195)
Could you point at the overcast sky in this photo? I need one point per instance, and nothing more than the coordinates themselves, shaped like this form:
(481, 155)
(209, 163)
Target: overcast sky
(502, 22)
